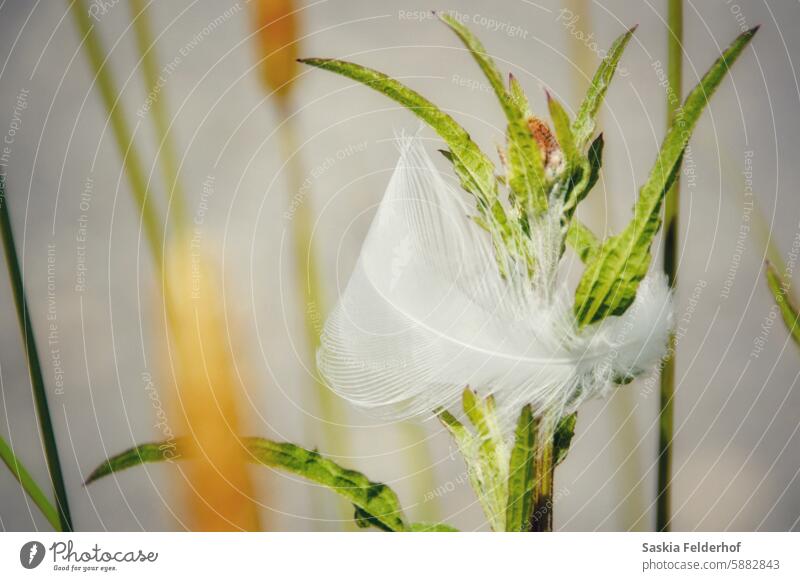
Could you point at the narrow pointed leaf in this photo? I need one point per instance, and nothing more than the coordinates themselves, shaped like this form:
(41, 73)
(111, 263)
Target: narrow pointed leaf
(564, 134)
(526, 176)
(29, 485)
(472, 159)
(583, 241)
(492, 457)
(562, 439)
(424, 527)
(573, 185)
(585, 121)
(609, 283)
(520, 473)
(482, 453)
(783, 299)
(525, 165)
(485, 62)
(595, 156)
(376, 503)
(518, 96)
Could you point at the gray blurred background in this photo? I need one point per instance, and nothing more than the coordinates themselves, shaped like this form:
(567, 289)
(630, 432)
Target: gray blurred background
(737, 450)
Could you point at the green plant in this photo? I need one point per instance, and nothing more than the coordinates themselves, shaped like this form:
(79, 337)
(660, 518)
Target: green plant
(59, 516)
(523, 234)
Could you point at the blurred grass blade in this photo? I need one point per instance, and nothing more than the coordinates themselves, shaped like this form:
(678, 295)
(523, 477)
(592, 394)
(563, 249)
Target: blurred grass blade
(789, 310)
(166, 147)
(220, 493)
(29, 485)
(109, 95)
(276, 33)
(521, 473)
(374, 499)
(313, 305)
(584, 124)
(34, 366)
(609, 283)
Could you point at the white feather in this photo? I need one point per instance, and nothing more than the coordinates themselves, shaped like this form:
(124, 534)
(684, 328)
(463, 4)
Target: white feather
(426, 313)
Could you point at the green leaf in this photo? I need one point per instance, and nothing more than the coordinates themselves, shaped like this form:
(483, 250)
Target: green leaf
(609, 283)
(468, 445)
(595, 156)
(525, 164)
(375, 503)
(485, 62)
(472, 160)
(526, 176)
(562, 438)
(573, 186)
(27, 481)
(485, 454)
(462, 436)
(424, 527)
(563, 131)
(520, 473)
(585, 120)
(364, 520)
(783, 299)
(583, 241)
(518, 96)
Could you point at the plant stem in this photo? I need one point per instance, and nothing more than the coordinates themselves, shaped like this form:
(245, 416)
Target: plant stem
(541, 520)
(309, 280)
(167, 154)
(671, 213)
(307, 271)
(122, 133)
(34, 367)
(29, 485)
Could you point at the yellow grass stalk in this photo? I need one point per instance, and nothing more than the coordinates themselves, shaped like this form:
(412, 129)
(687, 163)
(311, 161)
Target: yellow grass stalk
(168, 156)
(217, 485)
(276, 33)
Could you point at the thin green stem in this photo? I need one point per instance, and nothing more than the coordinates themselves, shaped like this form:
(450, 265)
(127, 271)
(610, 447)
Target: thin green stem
(306, 264)
(34, 367)
(167, 152)
(671, 213)
(119, 125)
(29, 485)
(309, 280)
